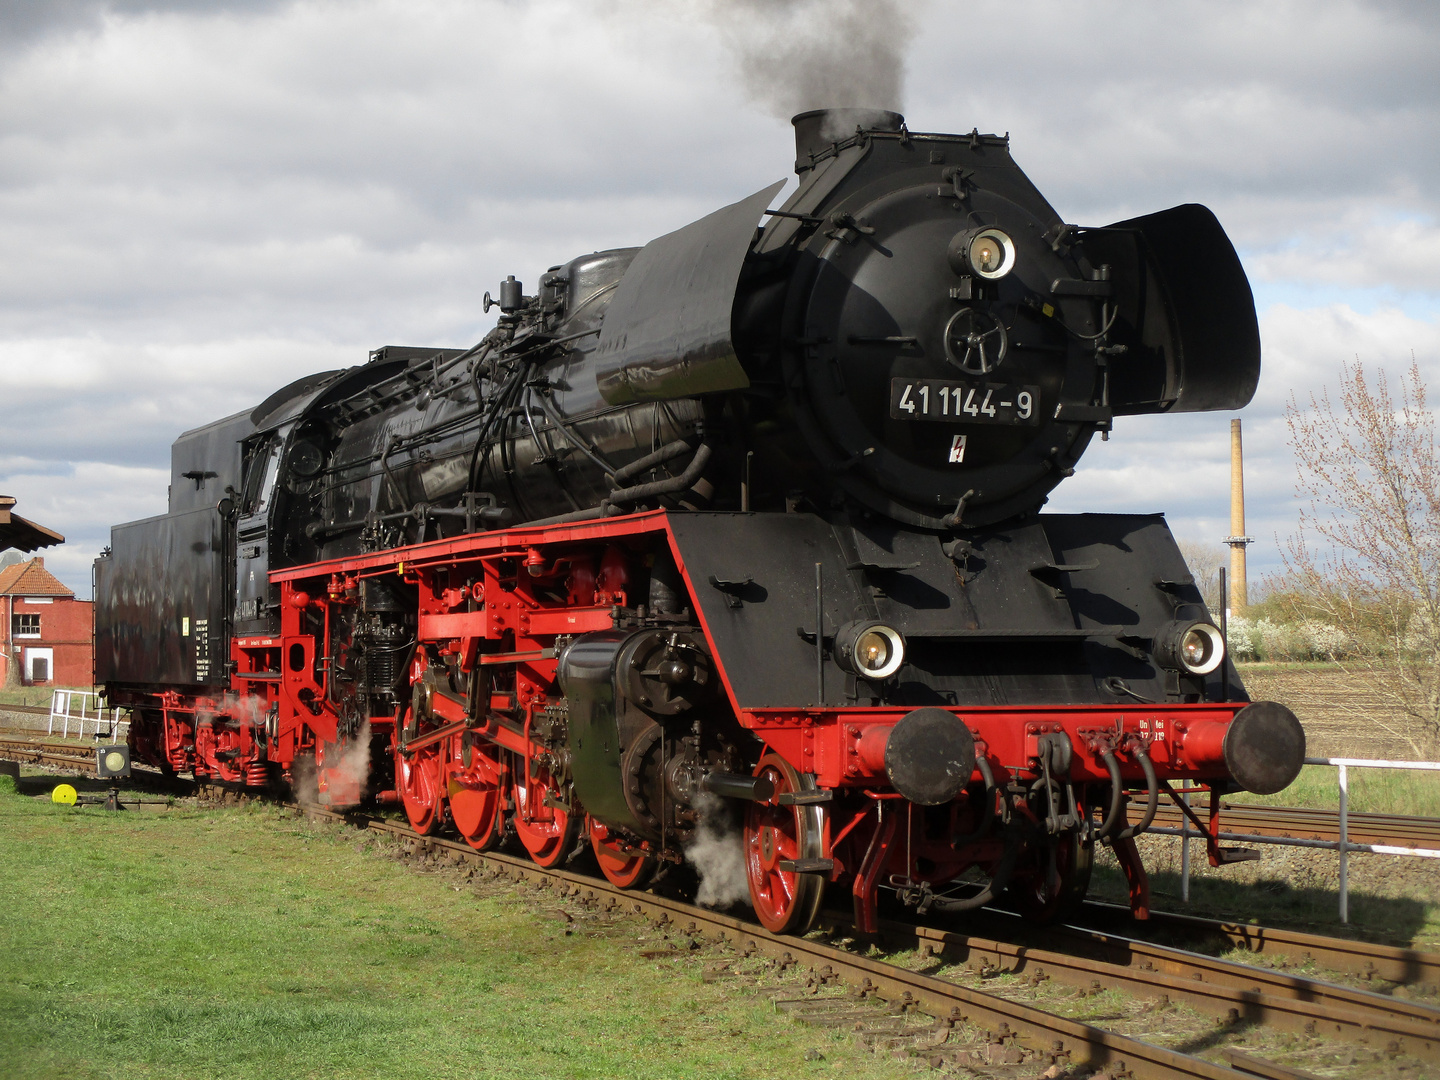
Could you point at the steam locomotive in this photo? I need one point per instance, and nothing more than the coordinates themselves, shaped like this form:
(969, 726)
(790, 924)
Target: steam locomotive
(742, 522)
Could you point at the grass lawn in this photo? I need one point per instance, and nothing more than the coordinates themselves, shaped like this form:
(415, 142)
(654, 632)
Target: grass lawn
(243, 942)
(1376, 791)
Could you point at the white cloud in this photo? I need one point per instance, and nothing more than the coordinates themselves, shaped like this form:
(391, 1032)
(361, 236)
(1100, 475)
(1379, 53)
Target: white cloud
(1181, 464)
(199, 202)
(81, 502)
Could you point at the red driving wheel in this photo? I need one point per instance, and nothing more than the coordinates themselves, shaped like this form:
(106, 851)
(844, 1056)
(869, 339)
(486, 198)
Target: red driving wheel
(418, 779)
(548, 831)
(785, 900)
(477, 794)
(623, 869)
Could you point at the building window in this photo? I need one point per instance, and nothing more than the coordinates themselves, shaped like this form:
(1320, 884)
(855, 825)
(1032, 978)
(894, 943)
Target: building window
(25, 625)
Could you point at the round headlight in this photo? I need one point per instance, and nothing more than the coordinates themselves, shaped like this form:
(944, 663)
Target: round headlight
(989, 253)
(1193, 647)
(870, 650)
(985, 252)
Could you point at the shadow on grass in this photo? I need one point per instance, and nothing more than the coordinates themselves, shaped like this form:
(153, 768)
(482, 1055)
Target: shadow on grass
(132, 791)
(1273, 901)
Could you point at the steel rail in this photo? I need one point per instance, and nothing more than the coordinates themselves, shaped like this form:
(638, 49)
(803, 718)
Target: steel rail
(1045, 1034)
(1306, 823)
(1235, 993)
(1269, 1070)
(38, 753)
(1363, 958)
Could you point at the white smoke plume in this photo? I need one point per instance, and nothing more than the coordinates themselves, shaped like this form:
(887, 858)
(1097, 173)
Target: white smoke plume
(303, 780)
(353, 765)
(796, 55)
(251, 709)
(718, 855)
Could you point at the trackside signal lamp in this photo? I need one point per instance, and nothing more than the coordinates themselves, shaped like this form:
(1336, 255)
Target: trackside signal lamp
(1192, 647)
(112, 761)
(870, 650)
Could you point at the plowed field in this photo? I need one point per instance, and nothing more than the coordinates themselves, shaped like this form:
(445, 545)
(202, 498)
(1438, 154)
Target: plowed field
(1343, 717)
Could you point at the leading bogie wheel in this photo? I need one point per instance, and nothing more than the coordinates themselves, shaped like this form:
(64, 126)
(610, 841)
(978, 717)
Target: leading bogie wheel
(786, 900)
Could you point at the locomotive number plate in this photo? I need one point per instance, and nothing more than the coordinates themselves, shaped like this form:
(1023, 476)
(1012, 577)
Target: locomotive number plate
(968, 403)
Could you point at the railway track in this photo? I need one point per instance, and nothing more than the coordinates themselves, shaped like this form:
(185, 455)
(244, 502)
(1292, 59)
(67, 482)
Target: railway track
(35, 752)
(1236, 993)
(1365, 959)
(1304, 823)
(1089, 959)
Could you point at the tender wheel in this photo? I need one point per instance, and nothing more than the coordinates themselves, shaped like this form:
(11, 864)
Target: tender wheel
(477, 795)
(548, 832)
(1045, 894)
(786, 901)
(626, 871)
(417, 777)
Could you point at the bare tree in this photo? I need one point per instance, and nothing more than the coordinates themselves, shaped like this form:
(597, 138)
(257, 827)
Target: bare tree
(1366, 559)
(1205, 561)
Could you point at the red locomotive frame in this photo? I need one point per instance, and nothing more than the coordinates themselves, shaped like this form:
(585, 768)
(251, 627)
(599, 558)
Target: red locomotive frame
(832, 815)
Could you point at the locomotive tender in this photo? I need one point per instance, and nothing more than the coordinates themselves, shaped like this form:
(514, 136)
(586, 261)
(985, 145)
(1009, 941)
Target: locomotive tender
(744, 521)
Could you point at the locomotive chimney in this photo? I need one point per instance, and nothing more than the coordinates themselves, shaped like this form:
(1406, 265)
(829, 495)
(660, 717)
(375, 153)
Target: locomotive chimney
(819, 129)
(1238, 598)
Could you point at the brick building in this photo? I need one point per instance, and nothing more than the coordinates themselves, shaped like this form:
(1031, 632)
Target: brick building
(48, 633)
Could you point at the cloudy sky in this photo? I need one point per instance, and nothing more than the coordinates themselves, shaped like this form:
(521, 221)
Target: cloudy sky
(200, 201)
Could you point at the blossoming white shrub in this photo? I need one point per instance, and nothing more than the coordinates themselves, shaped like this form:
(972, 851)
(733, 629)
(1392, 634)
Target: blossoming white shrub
(1240, 639)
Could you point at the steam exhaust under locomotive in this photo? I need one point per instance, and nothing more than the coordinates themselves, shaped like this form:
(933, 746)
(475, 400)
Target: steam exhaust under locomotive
(736, 530)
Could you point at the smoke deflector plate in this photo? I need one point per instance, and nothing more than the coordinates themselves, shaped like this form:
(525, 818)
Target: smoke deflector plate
(667, 332)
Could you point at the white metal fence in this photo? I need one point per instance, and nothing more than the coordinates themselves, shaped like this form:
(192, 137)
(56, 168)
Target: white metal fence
(1342, 846)
(77, 708)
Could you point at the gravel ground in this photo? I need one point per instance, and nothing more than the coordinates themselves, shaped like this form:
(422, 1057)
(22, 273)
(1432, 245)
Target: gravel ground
(23, 720)
(34, 721)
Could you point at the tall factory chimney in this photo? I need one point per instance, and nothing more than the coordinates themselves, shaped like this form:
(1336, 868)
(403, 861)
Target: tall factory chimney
(1237, 539)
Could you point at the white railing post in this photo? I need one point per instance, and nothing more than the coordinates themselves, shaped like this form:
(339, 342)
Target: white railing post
(1185, 851)
(62, 708)
(1344, 771)
(1343, 847)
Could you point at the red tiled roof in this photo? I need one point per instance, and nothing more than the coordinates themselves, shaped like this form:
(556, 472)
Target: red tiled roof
(30, 578)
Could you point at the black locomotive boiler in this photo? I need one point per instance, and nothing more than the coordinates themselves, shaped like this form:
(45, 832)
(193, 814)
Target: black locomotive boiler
(745, 518)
